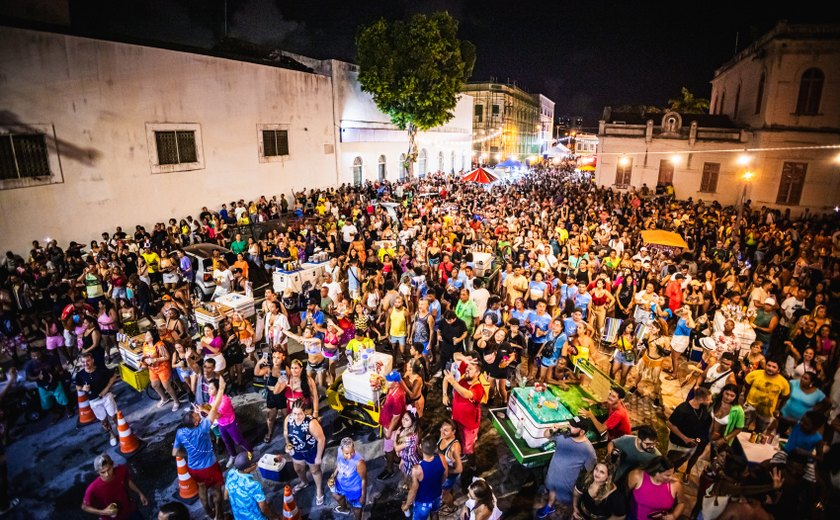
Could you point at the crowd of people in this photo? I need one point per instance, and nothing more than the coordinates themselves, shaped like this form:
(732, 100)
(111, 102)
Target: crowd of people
(574, 283)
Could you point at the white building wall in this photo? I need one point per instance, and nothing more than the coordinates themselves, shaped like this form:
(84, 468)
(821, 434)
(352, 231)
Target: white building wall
(99, 96)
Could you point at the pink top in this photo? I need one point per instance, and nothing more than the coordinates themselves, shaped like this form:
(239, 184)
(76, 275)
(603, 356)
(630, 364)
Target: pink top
(226, 414)
(216, 343)
(106, 323)
(651, 497)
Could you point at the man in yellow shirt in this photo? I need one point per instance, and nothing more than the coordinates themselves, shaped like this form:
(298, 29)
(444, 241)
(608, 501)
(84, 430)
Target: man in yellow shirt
(153, 262)
(359, 344)
(767, 390)
(515, 285)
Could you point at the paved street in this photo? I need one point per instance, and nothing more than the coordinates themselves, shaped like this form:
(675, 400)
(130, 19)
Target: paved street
(51, 465)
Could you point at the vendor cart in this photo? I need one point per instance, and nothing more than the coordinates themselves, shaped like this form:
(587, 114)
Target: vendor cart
(353, 397)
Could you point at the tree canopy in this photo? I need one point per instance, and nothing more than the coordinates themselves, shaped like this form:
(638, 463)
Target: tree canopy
(688, 104)
(414, 69)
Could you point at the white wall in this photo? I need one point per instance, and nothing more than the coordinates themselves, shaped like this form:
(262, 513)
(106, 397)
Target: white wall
(98, 96)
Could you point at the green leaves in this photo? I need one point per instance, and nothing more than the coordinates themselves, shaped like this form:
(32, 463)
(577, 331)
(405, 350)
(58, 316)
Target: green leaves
(414, 69)
(688, 104)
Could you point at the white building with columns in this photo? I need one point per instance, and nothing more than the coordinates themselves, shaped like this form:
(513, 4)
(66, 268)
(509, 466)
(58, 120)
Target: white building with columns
(96, 134)
(777, 100)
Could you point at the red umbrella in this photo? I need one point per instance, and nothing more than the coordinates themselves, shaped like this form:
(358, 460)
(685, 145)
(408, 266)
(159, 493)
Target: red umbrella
(479, 175)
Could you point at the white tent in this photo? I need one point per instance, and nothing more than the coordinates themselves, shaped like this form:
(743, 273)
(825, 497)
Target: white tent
(557, 150)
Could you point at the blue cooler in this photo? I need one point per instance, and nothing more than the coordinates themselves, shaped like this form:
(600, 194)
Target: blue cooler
(269, 468)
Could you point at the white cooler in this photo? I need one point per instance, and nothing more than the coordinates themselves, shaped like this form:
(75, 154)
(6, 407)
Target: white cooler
(239, 302)
(483, 263)
(533, 430)
(269, 469)
(357, 386)
(281, 280)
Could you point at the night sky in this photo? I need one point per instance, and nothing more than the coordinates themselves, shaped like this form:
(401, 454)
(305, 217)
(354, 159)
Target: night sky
(583, 55)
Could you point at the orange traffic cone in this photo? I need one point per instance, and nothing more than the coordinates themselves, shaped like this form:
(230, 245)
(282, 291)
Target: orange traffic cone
(86, 415)
(187, 489)
(129, 443)
(290, 510)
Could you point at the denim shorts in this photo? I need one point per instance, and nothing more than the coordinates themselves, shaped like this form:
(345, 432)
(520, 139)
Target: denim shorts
(619, 357)
(422, 510)
(450, 481)
(399, 340)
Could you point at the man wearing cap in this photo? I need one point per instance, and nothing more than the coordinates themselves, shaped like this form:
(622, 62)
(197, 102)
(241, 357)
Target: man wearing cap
(573, 453)
(389, 419)
(765, 322)
(107, 496)
(247, 499)
(193, 441)
(618, 421)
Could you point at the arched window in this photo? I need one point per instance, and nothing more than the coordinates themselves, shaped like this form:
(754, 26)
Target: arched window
(441, 166)
(810, 92)
(452, 162)
(357, 171)
(759, 97)
(403, 168)
(463, 161)
(421, 163)
(737, 102)
(381, 167)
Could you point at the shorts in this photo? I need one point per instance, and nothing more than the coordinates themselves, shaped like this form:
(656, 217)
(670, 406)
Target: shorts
(274, 401)
(307, 456)
(160, 373)
(467, 437)
(170, 278)
(679, 343)
(54, 342)
(210, 476)
(352, 499)
(422, 510)
(118, 292)
(620, 358)
(389, 443)
(761, 421)
(57, 394)
(450, 481)
(548, 362)
(104, 406)
(70, 340)
(399, 340)
(533, 348)
(320, 366)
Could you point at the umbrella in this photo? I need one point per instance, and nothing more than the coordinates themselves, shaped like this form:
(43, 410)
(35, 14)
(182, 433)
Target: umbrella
(587, 168)
(479, 175)
(663, 238)
(509, 163)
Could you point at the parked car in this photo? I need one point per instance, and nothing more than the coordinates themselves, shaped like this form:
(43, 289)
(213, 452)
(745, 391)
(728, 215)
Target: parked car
(201, 256)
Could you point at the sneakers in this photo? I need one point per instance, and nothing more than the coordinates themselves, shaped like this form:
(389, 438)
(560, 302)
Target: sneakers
(114, 441)
(385, 475)
(545, 511)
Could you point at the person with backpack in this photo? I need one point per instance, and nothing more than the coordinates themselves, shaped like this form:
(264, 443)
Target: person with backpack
(471, 390)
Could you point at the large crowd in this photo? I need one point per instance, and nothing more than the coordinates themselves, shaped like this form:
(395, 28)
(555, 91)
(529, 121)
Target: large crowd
(574, 282)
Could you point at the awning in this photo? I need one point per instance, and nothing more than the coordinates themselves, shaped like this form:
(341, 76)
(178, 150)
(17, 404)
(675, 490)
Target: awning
(479, 175)
(663, 238)
(587, 168)
(509, 163)
(556, 150)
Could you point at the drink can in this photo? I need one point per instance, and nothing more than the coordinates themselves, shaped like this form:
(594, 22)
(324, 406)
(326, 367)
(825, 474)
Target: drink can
(753, 437)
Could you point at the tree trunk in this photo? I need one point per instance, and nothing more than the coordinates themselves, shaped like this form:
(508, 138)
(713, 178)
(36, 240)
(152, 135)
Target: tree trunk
(411, 157)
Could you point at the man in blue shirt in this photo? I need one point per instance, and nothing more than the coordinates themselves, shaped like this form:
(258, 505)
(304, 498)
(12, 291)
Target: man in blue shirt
(583, 299)
(193, 441)
(246, 496)
(551, 349)
(538, 321)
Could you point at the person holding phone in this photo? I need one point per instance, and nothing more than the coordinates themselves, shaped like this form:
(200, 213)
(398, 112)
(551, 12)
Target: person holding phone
(273, 368)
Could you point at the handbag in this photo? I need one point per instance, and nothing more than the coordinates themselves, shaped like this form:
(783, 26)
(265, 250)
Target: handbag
(713, 504)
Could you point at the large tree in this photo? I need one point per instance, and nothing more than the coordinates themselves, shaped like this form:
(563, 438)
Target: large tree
(415, 70)
(688, 104)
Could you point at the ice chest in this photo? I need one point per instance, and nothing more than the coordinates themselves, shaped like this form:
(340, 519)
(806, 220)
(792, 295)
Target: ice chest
(535, 420)
(269, 469)
(238, 302)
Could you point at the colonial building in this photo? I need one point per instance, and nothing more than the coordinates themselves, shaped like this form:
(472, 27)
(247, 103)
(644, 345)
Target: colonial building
(773, 133)
(507, 121)
(95, 133)
(546, 133)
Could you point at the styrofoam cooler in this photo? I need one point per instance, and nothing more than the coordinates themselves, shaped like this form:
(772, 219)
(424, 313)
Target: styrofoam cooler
(283, 279)
(357, 386)
(533, 430)
(483, 263)
(238, 302)
(270, 469)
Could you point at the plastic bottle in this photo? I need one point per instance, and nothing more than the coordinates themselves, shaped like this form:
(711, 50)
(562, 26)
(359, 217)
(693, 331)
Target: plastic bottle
(519, 430)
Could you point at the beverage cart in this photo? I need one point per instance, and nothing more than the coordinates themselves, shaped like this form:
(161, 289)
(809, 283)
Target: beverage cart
(357, 393)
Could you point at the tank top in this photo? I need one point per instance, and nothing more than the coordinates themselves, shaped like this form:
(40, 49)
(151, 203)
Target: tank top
(599, 301)
(347, 477)
(421, 328)
(470, 505)
(450, 462)
(651, 497)
(105, 322)
(397, 322)
(299, 435)
(432, 484)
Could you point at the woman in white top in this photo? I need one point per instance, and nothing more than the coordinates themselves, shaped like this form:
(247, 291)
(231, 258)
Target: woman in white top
(276, 326)
(481, 504)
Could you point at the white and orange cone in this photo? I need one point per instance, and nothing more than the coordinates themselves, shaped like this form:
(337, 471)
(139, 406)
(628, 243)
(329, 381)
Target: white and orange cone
(129, 443)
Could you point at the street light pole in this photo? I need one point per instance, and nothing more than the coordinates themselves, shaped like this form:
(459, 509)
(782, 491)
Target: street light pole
(747, 176)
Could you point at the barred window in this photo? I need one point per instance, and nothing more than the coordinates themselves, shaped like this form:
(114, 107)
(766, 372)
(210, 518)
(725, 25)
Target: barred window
(275, 142)
(176, 147)
(23, 156)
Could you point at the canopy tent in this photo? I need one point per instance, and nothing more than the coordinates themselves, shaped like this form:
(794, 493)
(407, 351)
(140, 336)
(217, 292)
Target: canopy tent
(557, 150)
(658, 237)
(509, 163)
(587, 168)
(479, 175)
